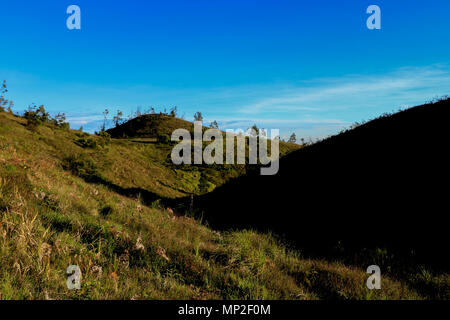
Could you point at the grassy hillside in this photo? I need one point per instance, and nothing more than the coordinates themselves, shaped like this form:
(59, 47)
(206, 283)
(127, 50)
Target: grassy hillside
(70, 198)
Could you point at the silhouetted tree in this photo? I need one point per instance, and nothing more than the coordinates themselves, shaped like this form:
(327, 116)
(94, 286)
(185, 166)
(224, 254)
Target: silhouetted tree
(3, 100)
(292, 138)
(173, 112)
(105, 115)
(117, 119)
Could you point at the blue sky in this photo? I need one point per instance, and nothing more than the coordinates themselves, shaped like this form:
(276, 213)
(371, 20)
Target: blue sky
(310, 67)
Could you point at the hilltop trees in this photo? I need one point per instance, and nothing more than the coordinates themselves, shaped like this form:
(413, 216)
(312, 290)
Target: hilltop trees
(105, 118)
(198, 116)
(3, 101)
(60, 120)
(303, 141)
(138, 112)
(35, 115)
(173, 112)
(117, 119)
(292, 138)
(38, 115)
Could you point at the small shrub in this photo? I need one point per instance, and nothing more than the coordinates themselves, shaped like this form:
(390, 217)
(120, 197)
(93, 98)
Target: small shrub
(105, 135)
(82, 166)
(163, 139)
(82, 134)
(86, 143)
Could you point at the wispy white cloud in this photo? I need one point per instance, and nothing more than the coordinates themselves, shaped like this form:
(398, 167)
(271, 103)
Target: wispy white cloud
(407, 85)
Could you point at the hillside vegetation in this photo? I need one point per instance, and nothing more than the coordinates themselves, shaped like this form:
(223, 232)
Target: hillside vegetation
(70, 198)
(150, 126)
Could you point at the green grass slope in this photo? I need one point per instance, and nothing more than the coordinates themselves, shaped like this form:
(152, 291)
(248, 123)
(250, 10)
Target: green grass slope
(68, 198)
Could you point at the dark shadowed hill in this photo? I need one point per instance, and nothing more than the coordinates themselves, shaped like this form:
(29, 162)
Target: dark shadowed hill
(383, 185)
